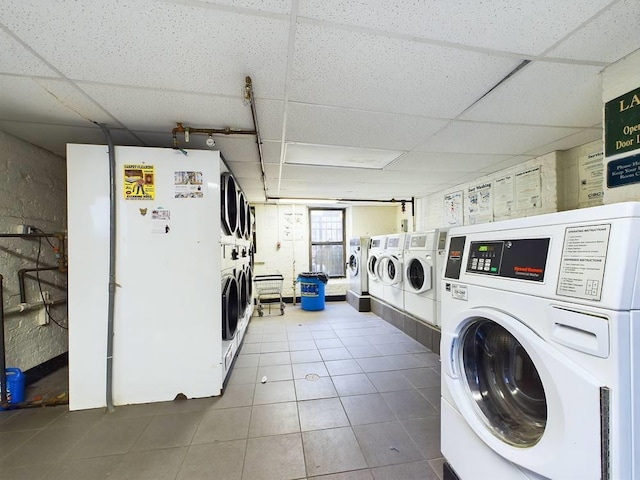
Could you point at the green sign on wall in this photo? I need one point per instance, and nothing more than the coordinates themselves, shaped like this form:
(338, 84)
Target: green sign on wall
(622, 124)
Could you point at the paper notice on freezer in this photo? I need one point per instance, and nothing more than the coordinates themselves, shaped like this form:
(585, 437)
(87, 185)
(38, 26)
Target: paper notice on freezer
(188, 185)
(584, 255)
(139, 182)
(160, 221)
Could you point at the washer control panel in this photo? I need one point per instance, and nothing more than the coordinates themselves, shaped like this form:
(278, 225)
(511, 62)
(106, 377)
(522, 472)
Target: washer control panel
(524, 258)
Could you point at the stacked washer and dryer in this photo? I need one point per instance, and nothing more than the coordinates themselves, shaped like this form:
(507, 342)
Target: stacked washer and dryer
(540, 347)
(236, 254)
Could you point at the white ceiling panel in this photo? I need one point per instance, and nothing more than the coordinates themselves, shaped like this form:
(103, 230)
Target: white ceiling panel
(46, 101)
(444, 162)
(584, 136)
(238, 148)
(361, 71)
(357, 128)
(16, 59)
(522, 27)
(154, 44)
(508, 163)
(609, 37)
(245, 169)
(271, 152)
(331, 155)
(274, 6)
(486, 138)
(270, 117)
(544, 93)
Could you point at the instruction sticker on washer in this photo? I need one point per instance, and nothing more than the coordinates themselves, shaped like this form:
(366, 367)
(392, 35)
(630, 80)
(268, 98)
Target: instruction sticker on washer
(584, 255)
(459, 292)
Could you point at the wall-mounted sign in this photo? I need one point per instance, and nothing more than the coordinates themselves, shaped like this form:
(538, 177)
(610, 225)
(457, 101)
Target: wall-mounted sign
(622, 124)
(623, 171)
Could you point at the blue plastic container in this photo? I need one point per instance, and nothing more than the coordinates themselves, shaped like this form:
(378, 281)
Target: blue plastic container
(15, 385)
(312, 285)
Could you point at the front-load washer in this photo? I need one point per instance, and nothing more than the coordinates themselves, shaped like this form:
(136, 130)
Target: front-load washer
(391, 266)
(358, 255)
(540, 343)
(377, 246)
(423, 260)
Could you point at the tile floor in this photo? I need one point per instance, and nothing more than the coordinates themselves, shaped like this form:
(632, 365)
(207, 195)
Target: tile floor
(347, 397)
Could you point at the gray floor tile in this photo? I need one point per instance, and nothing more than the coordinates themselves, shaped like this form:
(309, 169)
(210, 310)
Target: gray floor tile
(433, 395)
(364, 351)
(409, 404)
(386, 338)
(389, 381)
(343, 367)
(271, 347)
(251, 337)
(371, 408)
(110, 437)
(386, 444)
(321, 334)
(306, 356)
(353, 475)
(355, 341)
(98, 468)
(331, 451)
(243, 376)
(44, 446)
(10, 441)
(312, 389)
(250, 348)
(82, 418)
(437, 465)
(273, 457)
(151, 465)
(301, 370)
(375, 364)
(302, 345)
(274, 419)
(422, 377)
(223, 425)
(321, 414)
(319, 327)
(425, 432)
(389, 349)
(277, 358)
(340, 353)
(249, 360)
(220, 460)
(274, 392)
(235, 396)
(406, 471)
(32, 418)
(299, 336)
(168, 431)
(275, 373)
(410, 360)
(329, 343)
(275, 337)
(356, 384)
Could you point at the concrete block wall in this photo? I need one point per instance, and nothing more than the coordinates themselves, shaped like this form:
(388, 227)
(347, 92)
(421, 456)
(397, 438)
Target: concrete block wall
(32, 192)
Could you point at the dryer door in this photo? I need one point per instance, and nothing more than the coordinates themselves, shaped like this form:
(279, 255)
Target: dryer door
(243, 216)
(372, 267)
(230, 307)
(243, 293)
(518, 393)
(391, 270)
(229, 204)
(418, 274)
(354, 264)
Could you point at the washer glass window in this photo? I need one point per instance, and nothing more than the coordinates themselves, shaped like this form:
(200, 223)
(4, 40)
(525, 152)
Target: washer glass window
(415, 274)
(504, 383)
(353, 263)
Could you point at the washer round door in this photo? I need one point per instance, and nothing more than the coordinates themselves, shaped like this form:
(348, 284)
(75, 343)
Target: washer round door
(391, 269)
(243, 217)
(418, 274)
(372, 267)
(243, 293)
(354, 264)
(230, 307)
(229, 204)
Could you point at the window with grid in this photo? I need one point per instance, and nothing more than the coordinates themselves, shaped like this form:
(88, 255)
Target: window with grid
(327, 246)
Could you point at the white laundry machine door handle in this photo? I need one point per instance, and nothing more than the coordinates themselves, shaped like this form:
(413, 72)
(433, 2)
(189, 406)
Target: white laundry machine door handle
(448, 355)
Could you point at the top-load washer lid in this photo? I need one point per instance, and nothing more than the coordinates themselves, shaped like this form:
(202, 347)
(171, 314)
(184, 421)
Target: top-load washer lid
(418, 275)
(229, 203)
(243, 216)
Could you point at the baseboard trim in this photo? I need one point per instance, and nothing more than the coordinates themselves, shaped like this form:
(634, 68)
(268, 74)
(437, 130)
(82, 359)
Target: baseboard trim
(40, 371)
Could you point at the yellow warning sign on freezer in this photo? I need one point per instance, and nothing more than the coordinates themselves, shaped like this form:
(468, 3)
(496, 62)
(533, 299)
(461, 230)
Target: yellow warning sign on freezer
(139, 182)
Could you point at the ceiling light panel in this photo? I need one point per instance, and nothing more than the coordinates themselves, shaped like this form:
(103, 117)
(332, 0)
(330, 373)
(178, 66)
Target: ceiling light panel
(493, 24)
(545, 93)
(357, 128)
(328, 155)
(145, 43)
(369, 72)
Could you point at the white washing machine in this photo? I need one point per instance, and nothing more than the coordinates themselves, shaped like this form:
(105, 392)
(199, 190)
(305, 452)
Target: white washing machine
(356, 266)
(391, 274)
(423, 260)
(377, 246)
(540, 344)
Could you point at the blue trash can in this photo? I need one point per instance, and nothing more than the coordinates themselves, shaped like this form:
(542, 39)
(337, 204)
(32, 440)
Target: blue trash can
(312, 290)
(15, 385)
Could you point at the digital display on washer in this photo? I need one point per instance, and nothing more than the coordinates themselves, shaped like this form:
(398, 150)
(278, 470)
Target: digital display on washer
(524, 258)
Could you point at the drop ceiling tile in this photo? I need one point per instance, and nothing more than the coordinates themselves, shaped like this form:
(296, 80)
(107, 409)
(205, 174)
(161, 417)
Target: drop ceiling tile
(331, 155)
(271, 152)
(16, 59)
(47, 101)
(510, 162)
(444, 162)
(522, 27)
(55, 137)
(245, 169)
(488, 138)
(146, 43)
(368, 72)
(238, 149)
(544, 93)
(581, 138)
(357, 128)
(270, 118)
(274, 6)
(609, 37)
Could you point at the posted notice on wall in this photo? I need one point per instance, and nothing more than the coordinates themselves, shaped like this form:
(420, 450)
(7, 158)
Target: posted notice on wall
(452, 209)
(480, 203)
(503, 197)
(292, 226)
(139, 182)
(528, 189)
(590, 172)
(584, 255)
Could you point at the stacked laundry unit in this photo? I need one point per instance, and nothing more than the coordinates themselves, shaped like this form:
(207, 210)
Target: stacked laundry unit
(236, 256)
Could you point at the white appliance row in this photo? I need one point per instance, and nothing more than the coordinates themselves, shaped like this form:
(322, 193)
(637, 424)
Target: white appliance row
(540, 347)
(404, 269)
(170, 292)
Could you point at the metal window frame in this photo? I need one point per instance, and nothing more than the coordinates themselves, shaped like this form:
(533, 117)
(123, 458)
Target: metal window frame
(343, 242)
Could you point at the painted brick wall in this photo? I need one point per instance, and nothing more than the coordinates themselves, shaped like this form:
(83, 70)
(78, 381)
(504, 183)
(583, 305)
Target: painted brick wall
(569, 177)
(33, 192)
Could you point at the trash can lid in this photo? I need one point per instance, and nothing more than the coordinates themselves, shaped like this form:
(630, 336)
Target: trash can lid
(323, 277)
